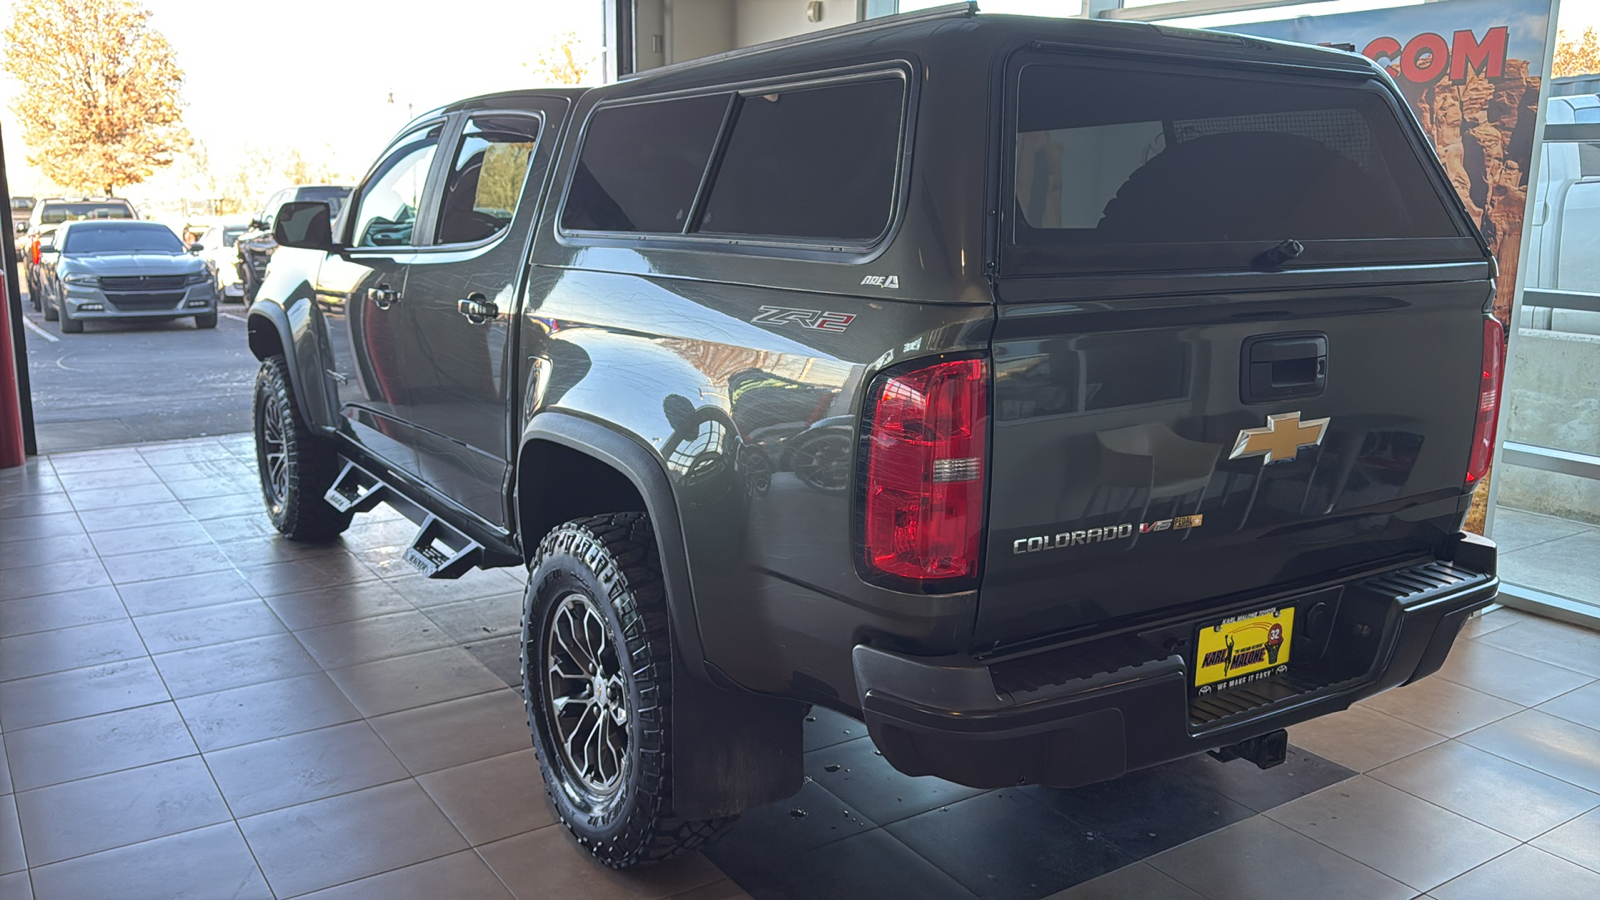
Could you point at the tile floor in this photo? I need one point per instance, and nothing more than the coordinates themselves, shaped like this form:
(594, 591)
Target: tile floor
(190, 707)
(1550, 554)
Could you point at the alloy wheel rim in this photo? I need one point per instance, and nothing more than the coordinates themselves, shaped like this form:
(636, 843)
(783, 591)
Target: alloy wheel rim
(274, 453)
(587, 700)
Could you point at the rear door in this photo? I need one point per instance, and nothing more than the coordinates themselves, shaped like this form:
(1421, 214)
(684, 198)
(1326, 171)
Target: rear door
(1238, 346)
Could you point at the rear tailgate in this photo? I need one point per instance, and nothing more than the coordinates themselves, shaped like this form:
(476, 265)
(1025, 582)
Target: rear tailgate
(1239, 341)
(1114, 486)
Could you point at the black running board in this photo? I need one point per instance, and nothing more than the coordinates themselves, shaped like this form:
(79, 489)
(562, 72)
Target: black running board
(440, 550)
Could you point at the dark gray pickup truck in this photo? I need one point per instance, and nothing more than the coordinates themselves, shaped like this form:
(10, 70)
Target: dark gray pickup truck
(1058, 397)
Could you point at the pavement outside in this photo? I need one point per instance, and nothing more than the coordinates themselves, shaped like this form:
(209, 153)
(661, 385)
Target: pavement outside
(126, 382)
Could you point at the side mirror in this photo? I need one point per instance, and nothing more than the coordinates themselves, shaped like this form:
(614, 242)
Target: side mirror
(196, 247)
(47, 247)
(22, 226)
(257, 225)
(304, 224)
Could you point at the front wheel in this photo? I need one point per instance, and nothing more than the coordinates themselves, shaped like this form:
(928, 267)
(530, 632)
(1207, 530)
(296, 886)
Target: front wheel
(206, 320)
(69, 325)
(49, 311)
(296, 466)
(597, 675)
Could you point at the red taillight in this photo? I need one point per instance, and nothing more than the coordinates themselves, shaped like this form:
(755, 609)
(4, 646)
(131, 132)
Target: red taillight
(925, 460)
(1494, 365)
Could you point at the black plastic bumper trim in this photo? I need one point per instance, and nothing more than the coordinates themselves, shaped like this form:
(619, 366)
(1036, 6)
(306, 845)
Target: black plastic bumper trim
(943, 716)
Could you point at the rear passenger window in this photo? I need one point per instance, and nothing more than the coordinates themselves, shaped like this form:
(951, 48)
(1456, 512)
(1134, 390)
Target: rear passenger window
(486, 180)
(641, 165)
(817, 163)
(1115, 157)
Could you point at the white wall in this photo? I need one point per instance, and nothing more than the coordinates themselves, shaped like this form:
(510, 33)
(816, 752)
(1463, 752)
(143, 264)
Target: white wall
(691, 29)
(757, 21)
(696, 28)
(649, 23)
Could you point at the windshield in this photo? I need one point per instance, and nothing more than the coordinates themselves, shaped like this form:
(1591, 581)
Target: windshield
(230, 235)
(56, 213)
(129, 238)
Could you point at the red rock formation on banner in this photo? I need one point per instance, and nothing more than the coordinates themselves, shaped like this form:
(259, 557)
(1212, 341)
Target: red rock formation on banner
(1481, 127)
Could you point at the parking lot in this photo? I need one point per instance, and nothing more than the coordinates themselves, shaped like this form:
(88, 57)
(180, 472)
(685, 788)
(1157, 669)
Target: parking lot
(122, 383)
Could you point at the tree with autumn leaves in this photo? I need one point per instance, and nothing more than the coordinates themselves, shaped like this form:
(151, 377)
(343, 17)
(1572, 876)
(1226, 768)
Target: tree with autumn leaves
(99, 103)
(1577, 55)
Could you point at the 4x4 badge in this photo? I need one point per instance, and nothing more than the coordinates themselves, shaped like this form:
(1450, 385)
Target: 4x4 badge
(1281, 440)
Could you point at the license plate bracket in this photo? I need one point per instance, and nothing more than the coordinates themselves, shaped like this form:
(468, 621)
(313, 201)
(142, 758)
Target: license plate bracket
(1241, 649)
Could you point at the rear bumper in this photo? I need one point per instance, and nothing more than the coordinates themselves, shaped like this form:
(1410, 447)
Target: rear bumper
(1092, 711)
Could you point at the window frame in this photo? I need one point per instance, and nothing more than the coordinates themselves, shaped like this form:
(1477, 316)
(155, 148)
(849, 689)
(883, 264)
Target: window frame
(423, 229)
(1134, 259)
(456, 133)
(828, 250)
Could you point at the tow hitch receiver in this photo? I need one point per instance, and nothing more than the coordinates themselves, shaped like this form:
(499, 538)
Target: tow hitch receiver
(1265, 751)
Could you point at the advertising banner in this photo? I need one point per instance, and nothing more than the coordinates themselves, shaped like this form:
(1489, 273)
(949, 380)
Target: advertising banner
(1472, 71)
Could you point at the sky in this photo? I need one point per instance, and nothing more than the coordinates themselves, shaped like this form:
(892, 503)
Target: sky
(319, 75)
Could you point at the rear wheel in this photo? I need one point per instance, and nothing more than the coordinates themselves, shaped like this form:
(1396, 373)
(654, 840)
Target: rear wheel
(206, 320)
(597, 675)
(296, 466)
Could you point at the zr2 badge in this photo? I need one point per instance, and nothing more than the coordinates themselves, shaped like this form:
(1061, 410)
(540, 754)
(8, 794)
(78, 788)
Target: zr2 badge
(815, 319)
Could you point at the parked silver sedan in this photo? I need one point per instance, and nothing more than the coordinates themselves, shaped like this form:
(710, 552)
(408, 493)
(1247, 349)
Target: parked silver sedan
(113, 269)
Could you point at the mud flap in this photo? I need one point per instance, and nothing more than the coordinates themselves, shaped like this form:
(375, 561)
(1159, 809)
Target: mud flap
(732, 750)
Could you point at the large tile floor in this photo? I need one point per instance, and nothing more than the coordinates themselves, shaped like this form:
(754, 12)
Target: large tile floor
(190, 707)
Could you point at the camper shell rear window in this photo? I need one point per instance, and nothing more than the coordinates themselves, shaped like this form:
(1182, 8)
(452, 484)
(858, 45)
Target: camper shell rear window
(1116, 168)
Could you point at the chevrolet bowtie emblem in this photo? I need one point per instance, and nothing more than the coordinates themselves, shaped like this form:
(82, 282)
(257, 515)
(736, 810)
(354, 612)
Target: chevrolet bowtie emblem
(1281, 440)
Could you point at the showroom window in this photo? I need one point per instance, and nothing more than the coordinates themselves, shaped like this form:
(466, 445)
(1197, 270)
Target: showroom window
(1546, 514)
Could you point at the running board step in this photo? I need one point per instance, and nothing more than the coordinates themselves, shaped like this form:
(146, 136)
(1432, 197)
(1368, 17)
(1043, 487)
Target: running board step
(440, 550)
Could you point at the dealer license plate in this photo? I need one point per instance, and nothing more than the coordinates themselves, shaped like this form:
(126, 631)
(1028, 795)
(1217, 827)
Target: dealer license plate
(1242, 649)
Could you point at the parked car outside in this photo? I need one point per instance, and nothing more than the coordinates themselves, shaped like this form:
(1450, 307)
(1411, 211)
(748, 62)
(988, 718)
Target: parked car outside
(255, 246)
(53, 211)
(125, 270)
(222, 255)
(35, 258)
(1114, 397)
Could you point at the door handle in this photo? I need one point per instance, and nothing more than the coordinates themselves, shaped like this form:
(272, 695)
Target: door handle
(478, 309)
(382, 296)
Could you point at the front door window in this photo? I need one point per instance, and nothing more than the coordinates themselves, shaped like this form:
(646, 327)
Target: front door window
(387, 214)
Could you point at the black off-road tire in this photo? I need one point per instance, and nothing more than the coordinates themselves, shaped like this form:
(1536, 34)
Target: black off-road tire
(296, 466)
(206, 320)
(609, 564)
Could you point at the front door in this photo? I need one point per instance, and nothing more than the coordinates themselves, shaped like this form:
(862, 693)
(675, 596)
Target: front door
(460, 299)
(362, 292)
